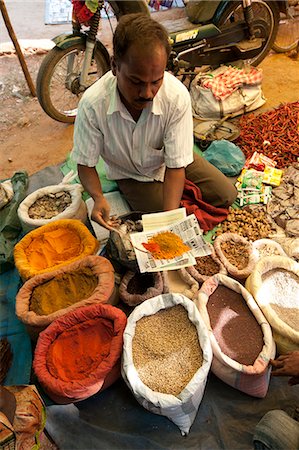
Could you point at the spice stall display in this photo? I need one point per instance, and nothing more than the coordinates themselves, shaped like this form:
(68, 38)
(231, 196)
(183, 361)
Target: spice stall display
(137, 287)
(167, 357)
(52, 246)
(274, 283)
(45, 297)
(240, 336)
(79, 353)
(236, 254)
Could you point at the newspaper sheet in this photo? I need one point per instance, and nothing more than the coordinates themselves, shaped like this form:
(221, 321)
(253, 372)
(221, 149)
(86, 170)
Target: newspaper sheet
(190, 233)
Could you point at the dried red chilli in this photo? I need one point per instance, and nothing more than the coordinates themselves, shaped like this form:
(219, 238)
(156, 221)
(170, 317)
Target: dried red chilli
(279, 126)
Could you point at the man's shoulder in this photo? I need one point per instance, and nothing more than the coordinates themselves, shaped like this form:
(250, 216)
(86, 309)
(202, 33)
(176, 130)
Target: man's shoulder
(100, 91)
(174, 88)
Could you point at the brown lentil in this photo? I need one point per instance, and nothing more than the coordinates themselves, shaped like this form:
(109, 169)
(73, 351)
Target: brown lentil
(50, 205)
(234, 326)
(140, 283)
(166, 350)
(206, 265)
(236, 253)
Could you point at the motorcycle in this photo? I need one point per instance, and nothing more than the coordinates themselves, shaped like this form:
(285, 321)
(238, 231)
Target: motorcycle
(216, 32)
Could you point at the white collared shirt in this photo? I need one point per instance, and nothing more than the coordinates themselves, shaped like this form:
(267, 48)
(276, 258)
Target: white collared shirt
(162, 137)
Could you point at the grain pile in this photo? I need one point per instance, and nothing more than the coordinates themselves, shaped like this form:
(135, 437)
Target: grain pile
(166, 350)
(206, 265)
(282, 288)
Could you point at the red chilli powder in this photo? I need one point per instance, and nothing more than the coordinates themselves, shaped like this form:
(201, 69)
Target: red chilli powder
(79, 350)
(234, 326)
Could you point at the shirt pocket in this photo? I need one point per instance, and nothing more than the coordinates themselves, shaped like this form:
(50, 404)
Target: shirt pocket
(152, 158)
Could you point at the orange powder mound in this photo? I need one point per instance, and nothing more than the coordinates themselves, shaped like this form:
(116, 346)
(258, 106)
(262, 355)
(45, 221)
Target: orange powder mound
(80, 349)
(53, 247)
(166, 245)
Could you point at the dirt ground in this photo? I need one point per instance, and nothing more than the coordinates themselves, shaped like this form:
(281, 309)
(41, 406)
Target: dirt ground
(30, 140)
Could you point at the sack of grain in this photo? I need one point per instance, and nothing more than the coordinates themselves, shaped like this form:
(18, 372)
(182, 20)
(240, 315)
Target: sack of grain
(136, 287)
(50, 203)
(240, 335)
(236, 254)
(47, 296)
(167, 357)
(267, 247)
(274, 283)
(79, 353)
(52, 246)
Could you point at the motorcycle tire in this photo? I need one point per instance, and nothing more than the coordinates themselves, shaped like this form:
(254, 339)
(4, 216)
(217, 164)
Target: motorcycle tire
(287, 38)
(58, 99)
(262, 9)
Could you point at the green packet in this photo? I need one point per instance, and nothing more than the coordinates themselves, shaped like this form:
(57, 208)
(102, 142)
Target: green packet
(252, 179)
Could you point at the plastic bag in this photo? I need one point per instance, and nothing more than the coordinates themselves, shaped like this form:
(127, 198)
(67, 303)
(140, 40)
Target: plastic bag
(10, 226)
(226, 156)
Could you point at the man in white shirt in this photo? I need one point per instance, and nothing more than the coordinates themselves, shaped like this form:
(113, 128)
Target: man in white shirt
(138, 118)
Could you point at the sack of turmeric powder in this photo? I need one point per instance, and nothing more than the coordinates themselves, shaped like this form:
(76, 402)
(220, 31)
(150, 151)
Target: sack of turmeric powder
(240, 336)
(61, 201)
(274, 284)
(53, 246)
(45, 297)
(79, 353)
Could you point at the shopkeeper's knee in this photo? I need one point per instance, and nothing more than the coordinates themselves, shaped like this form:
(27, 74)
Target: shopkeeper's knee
(228, 196)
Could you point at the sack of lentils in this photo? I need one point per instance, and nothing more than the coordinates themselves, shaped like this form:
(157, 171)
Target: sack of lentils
(236, 254)
(52, 246)
(205, 267)
(47, 296)
(167, 357)
(274, 283)
(61, 201)
(79, 353)
(240, 335)
(136, 287)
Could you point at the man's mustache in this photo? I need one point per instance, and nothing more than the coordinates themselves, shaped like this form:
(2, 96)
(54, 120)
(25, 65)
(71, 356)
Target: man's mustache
(144, 100)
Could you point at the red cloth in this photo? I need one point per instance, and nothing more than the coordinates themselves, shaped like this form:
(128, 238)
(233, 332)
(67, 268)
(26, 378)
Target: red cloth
(207, 215)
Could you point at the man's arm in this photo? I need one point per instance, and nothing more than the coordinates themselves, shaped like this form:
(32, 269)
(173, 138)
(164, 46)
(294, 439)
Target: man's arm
(91, 183)
(173, 187)
(287, 365)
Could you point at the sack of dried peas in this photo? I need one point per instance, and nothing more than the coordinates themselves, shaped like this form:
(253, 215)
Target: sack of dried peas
(240, 335)
(167, 357)
(274, 283)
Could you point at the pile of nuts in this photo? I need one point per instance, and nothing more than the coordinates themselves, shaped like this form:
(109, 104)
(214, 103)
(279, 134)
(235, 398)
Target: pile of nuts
(251, 224)
(50, 205)
(236, 253)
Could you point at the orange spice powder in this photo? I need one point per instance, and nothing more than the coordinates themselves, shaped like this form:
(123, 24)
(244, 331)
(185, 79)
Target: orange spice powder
(166, 245)
(79, 350)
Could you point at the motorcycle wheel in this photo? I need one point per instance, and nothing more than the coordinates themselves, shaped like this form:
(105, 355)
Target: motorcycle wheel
(287, 38)
(266, 10)
(57, 88)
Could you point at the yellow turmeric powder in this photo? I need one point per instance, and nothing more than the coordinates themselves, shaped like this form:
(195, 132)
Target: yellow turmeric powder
(166, 245)
(62, 291)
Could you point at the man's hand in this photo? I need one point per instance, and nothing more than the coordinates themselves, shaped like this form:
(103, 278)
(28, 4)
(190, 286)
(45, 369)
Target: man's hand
(101, 213)
(287, 365)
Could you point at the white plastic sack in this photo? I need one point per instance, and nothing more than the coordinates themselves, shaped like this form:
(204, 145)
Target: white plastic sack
(206, 106)
(76, 210)
(182, 409)
(251, 379)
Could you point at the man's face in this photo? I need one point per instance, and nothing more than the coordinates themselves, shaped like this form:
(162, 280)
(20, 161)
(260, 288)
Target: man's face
(140, 75)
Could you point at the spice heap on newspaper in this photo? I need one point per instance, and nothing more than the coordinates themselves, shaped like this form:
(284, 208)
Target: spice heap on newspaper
(166, 245)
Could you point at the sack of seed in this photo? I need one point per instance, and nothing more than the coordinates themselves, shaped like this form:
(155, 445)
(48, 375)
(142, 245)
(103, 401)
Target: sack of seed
(61, 201)
(167, 357)
(274, 283)
(236, 254)
(240, 335)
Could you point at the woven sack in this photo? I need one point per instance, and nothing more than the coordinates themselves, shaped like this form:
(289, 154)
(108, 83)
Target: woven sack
(52, 238)
(192, 276)
(103, 293)
(181, 409)
(112, 322)
(233, 270)
(267, 247)
(76, 210)
(285, 335)
(160, 286)
(251, 379)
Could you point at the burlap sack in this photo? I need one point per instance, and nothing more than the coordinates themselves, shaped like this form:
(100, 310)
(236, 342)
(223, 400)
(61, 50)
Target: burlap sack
(97, 379)
(51, 238)
(286, 335)
(76, 210)
(103, 293)
(251, 379)
(181, 409)
(160, 286)
(233, 270)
